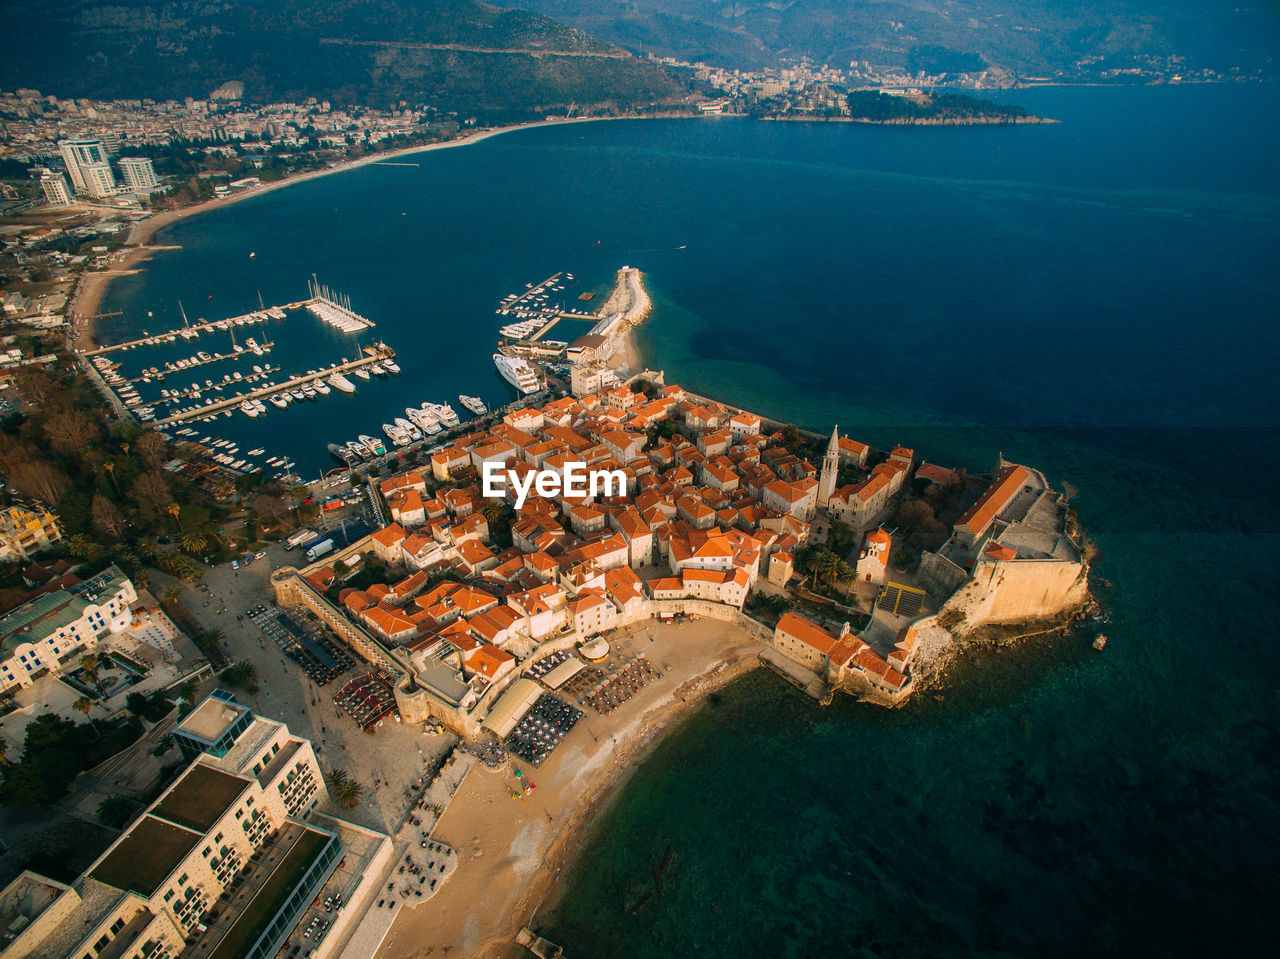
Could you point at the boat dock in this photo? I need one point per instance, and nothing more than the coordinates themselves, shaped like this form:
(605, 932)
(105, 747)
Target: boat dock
(531, 292)
(264, 392)
(195, 329)
(196, 363)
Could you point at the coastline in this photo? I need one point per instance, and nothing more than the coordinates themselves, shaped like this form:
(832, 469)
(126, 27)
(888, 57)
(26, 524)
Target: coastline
(518, 861)
(632, 302)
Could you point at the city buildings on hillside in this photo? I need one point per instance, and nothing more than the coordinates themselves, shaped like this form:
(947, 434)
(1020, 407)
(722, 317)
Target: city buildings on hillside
(224, 863)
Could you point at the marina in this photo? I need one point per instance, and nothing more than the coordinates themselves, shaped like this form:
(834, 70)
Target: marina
(326, 305)
(293, 385)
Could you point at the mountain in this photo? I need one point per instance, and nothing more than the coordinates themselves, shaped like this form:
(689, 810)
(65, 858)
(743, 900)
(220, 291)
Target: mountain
(1067, 39)
(453, 54)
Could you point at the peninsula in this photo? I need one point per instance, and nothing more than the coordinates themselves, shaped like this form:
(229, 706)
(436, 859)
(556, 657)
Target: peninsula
(559, 640)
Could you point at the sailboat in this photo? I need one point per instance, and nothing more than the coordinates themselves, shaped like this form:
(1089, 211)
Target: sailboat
(187, 333)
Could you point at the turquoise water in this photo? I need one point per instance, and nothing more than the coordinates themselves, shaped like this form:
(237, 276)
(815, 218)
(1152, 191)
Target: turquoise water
(1096, 297)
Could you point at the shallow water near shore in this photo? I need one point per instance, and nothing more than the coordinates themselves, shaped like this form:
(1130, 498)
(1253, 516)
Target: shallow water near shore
(1095, 298)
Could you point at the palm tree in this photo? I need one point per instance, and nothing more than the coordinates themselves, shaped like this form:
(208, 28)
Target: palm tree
(194, 541)
(493, 509)
(176, 512)
(173, 592)
(163, 745)
(90, 665)
(111, 471)
(347, 793)
(83, 705)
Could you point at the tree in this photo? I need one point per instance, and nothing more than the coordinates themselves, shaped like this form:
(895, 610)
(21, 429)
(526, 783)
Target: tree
(163, 745)
(115, 811)
(840, 538)
(34, 384)
(153, 488)
(83, 705)
(70, 431)
(40, 479)
(173, 592)
(107, 518)
(242, 674)
(493, 509)
(84, 548)
(152, 447)
(194, 541)
(346, 792)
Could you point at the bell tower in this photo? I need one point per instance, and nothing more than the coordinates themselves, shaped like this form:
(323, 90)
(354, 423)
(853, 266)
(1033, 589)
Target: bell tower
(830, 469)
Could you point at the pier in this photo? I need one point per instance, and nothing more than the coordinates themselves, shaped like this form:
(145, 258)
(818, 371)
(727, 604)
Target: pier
(532, 291)
(263, 392)
(195, 364)
(193, 330)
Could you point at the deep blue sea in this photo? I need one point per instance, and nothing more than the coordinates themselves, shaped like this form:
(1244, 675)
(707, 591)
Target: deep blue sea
(1097, 297)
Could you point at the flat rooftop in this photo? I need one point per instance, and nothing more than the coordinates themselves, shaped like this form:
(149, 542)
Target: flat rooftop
(271, 897)
(211, 719)
(200, 797)
(37, 618)
(146, 855)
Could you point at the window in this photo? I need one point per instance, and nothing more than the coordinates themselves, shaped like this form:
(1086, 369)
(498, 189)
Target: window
(205, 852)
(117, 926)
(168, 895)
(275, 748)
(101, 944)
(218, 838)
(182, 880)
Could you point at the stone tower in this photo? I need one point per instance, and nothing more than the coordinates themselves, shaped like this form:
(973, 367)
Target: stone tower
(830, 469)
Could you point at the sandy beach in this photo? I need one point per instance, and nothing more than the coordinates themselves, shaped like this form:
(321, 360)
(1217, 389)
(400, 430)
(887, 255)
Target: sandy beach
(513, 852)
(629, 298)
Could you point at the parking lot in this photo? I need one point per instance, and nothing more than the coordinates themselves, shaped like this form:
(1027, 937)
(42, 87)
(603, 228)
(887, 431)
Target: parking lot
(319, 656)
(542, 729)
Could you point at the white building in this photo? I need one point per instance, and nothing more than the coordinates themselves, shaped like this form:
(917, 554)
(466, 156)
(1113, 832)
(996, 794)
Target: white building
(78, 154)
(99, 180)
(190, 875)
(138, 173)
(57, 191)
(44, 633)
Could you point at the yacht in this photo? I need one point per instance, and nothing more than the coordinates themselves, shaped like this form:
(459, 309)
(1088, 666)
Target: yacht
(357, 451)
(249, 409)
(278, 401)
(373, 445)
(445, 413)
(406, 427)
(397, 436)
(297, 394)
(340, 382)
(321, 387)
(376, 369)
(425, 420)
(517, 372)
(341, 453)
(474, 404)
(363, 373)
(308, 391)
(391, 366)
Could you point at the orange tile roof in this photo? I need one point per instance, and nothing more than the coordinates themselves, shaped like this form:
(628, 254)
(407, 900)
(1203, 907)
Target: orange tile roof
(1006, 485)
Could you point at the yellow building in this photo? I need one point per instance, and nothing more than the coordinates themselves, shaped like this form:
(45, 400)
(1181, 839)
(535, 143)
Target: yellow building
(24, 532)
